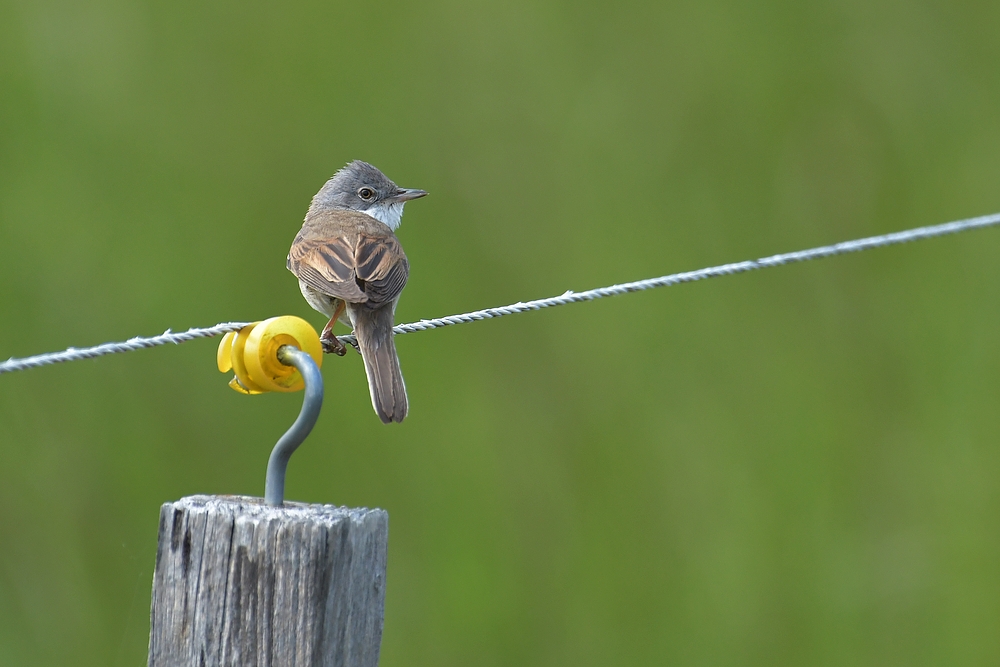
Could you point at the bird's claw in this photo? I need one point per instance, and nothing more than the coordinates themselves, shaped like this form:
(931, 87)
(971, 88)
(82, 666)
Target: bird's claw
(332, 345)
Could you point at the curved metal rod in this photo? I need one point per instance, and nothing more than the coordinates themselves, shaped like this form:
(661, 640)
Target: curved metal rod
(274, 484)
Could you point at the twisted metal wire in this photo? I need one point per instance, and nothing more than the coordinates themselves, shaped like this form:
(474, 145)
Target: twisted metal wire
(710, 272)
(137, 343)
(895, 238)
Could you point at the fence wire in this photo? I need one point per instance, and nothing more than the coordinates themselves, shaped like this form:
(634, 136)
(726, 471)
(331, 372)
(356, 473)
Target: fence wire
(895, 238)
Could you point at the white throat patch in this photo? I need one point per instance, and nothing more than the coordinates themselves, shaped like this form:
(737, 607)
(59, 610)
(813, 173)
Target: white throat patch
(390, 213)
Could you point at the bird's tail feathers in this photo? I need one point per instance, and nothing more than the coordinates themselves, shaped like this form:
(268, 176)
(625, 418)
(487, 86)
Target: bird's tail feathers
(373, 329)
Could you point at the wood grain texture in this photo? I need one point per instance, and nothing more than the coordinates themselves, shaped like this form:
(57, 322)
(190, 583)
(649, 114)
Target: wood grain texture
(240, 583)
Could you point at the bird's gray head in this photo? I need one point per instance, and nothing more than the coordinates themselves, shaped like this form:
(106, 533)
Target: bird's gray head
(359, 186)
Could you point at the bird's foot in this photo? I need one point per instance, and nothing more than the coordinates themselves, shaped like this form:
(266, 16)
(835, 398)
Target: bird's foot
(332, 345)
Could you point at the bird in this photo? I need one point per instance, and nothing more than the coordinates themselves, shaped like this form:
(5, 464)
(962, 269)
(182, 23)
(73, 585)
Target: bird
(352, 268)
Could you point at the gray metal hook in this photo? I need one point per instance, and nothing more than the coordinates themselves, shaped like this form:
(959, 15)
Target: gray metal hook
(274, 484)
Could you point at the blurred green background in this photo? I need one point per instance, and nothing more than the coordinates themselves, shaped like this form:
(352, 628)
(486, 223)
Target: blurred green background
(795, 467)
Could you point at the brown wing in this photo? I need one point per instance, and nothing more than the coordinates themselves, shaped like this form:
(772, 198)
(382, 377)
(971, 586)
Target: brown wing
(382, 269)
(363, 269)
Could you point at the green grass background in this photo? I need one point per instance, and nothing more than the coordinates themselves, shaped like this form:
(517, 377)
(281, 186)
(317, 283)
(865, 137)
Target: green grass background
(795, 467)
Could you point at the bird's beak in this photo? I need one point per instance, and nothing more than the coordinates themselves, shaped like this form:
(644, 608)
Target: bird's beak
(406, 194)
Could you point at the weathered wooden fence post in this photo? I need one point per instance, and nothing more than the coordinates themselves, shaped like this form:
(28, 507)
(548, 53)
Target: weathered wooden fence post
(239, 582)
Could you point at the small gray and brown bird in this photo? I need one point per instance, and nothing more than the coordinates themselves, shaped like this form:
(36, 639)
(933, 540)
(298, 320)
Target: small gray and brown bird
(351, 267)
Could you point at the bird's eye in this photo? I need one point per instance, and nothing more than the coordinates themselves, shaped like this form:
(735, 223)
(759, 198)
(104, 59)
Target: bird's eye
(366, 193)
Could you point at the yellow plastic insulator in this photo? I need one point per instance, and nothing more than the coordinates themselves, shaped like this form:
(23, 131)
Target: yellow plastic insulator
(252, 354)
(225, 354)
(242, 382)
